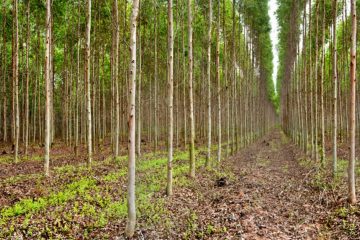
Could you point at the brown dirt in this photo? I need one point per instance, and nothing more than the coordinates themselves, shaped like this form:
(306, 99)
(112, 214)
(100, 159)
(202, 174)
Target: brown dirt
(272, 196)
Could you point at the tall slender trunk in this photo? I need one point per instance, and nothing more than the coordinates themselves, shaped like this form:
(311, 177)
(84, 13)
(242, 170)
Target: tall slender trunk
(155, 81)
(4, 57)
(27, 78)
(352, 117)
(15, 49)
(208, 72)
(311, 84)
(191, 101)
(130, 227)
(335, 88)
(233, 85)
(47, 87)
(218, 79)
(88, 82)
(76, 147)
(322, 123)
(51, 66)
(306, 136)
(115, 79)
(170, 95)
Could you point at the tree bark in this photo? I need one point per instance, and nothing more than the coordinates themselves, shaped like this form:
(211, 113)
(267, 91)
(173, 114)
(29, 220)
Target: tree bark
(352, 117)
(27, 78)
(15, 62)
(218, 80)
(76, 147)
(322, 123)
(88, 83)
(317, 3)
(170, 96)
(208, 72)
(4, 56)
(116, 78)
(130, 227)
(47, 88)
(155, 79)
(191, 101)
(335, 80)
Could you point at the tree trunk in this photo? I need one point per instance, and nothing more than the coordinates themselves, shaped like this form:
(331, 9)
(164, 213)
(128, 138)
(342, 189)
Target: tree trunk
(155, 81)
(335, 88)
(15, 49)
(115, 79)
(191, 101)
(88, 83)
(322, 123)
(4, 56)
(47, 88)
(208, 73)
(218, 80)
(351, 169)
(311, 85)
(170, 95)
(27, 78)
(76, 147)
(317, 3)
(130, 227)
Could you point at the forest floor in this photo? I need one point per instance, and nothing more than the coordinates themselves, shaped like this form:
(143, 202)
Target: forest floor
(268, 190)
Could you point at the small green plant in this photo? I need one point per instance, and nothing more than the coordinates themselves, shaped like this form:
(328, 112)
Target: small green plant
(210, 229)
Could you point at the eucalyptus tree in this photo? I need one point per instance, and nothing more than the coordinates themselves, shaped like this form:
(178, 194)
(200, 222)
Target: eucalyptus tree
(335, 85)
(15, 76)
(208, 72)
(191, 98)
(115, 73)
(322, 79)
(352, 117)
(4, 75)
(88, 82)
(130, 227)
(27, 77)
(170, 58)
(218, 80)
(155, 76)
(47, 87)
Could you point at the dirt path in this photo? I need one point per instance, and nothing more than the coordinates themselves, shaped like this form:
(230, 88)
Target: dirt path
(278, 203)
(267, 197)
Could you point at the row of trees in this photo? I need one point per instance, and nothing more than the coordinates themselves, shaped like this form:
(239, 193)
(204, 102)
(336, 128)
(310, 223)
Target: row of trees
(197, 73)
(318, 77)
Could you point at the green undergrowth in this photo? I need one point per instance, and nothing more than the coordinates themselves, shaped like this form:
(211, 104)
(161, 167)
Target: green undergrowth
(30, 205)
(101, 199)
(347, 219)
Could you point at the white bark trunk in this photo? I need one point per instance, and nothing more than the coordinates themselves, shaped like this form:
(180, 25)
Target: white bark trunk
(47, 88)
(351, 173)
(130, 227)
(191, 101)
(170, 95)
(88, 83)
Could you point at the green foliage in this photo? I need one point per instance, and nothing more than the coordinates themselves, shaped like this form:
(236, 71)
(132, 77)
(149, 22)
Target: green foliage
(30, 205)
